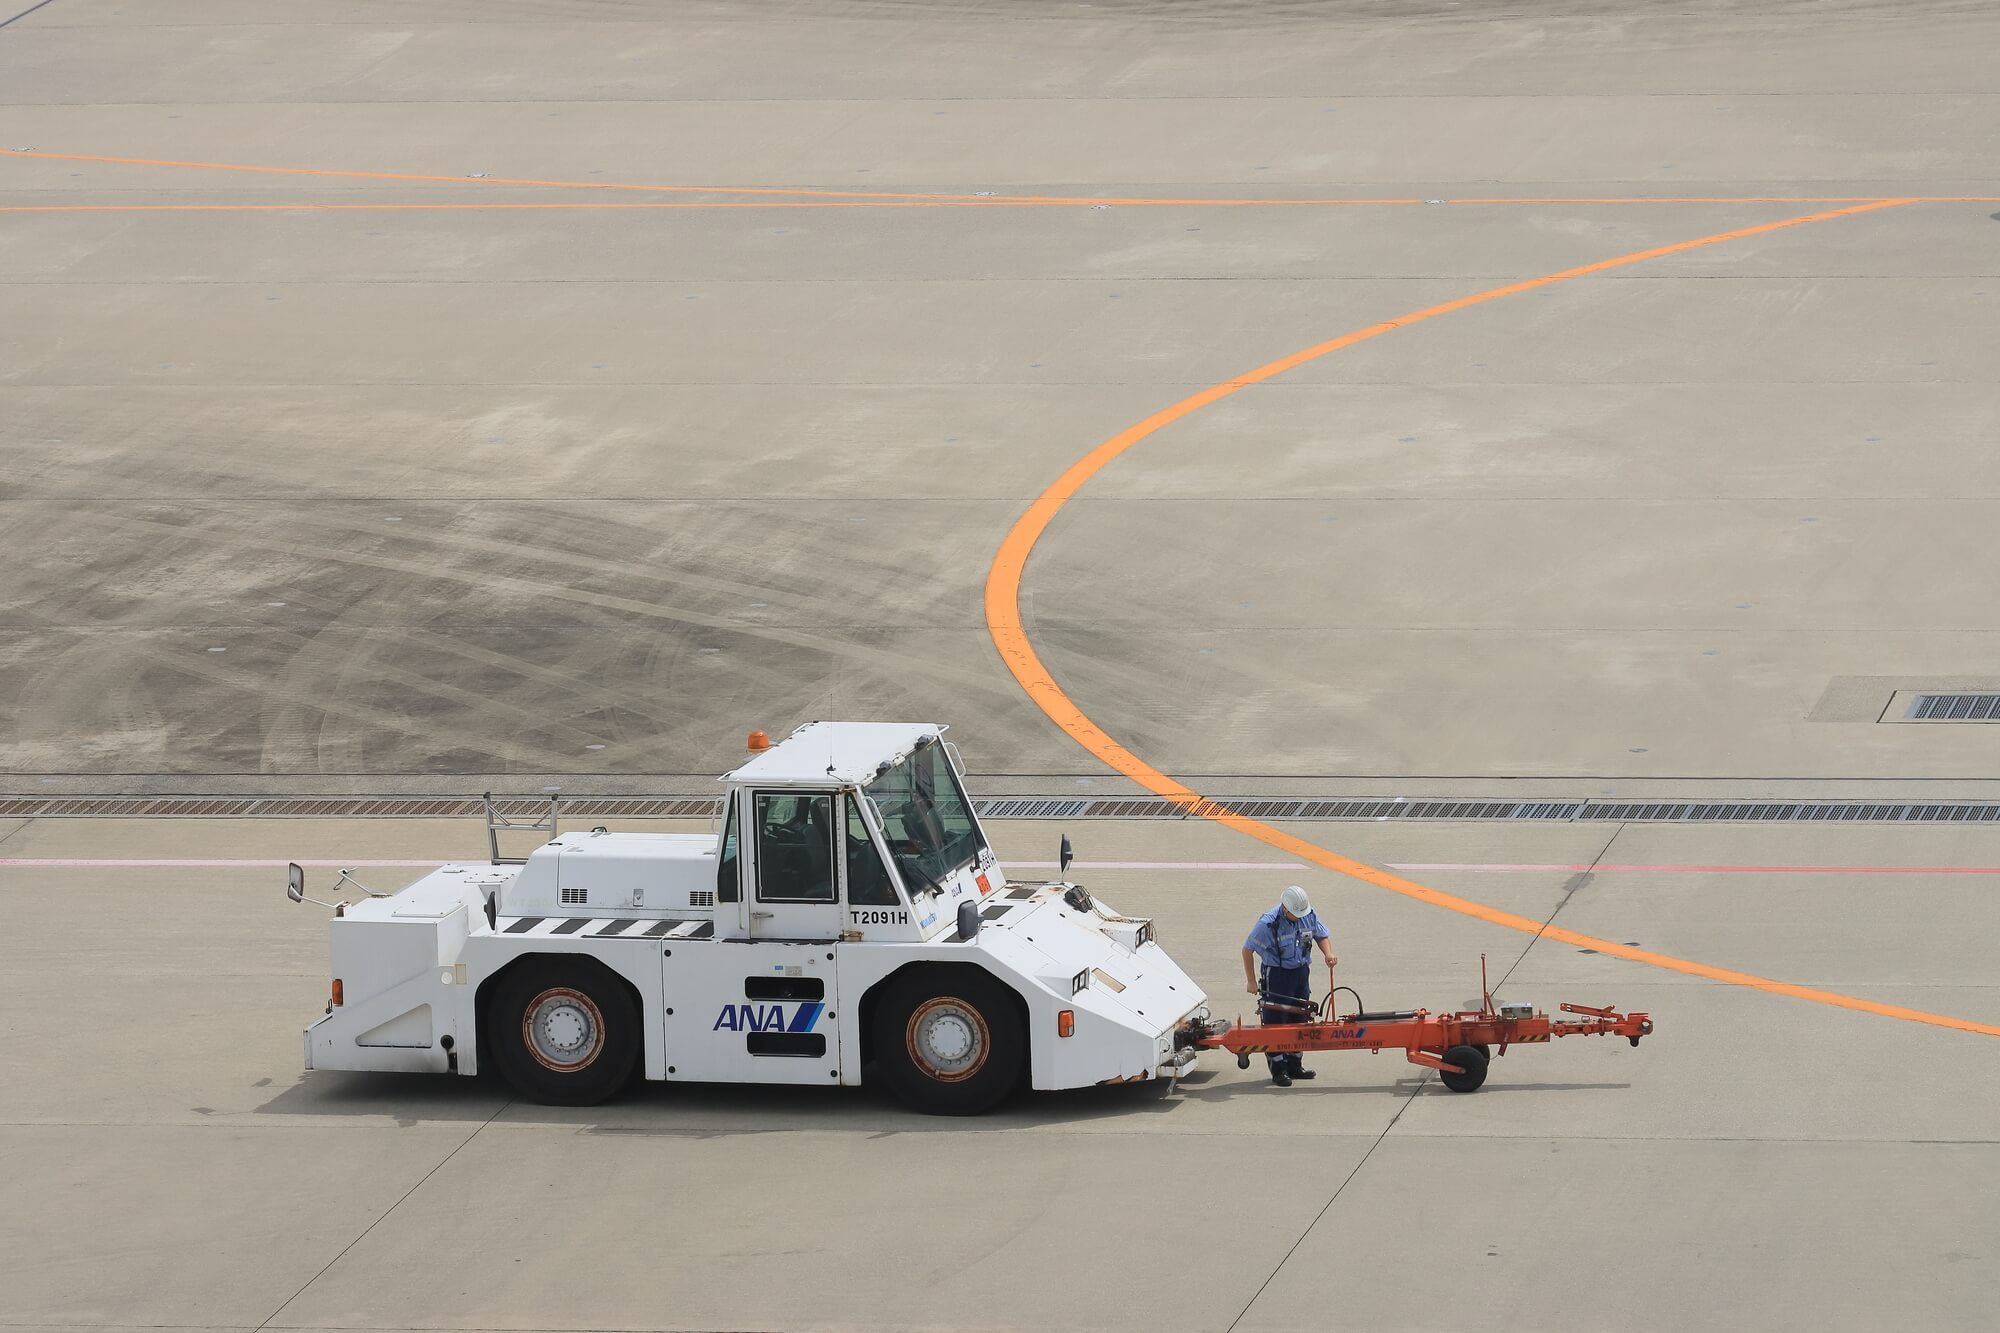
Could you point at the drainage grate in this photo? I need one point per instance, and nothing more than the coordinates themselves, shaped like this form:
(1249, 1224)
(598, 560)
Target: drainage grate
(1798, 812)
(1043, 807)
(1156, 807)
(345, 807)
(1954, 708)
(1035, 809)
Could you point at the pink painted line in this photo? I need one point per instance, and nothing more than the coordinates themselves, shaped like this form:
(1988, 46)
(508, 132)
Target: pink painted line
(160, 862)
(1525, 868)
(1475, 867)
(1162, 865)
(227, 863)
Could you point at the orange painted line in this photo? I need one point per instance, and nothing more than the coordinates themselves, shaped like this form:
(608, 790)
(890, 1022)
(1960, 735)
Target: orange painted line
(461, 207)
(457, 180)
(983, 201)
(1003, 623)
(849, 203)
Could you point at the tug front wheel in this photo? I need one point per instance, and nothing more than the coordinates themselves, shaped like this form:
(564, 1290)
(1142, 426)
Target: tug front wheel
(565, 1033)
(949, 1042)
(1470, 1059)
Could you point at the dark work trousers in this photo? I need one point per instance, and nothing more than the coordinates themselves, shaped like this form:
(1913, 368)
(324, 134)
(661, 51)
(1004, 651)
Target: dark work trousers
(1293, 985)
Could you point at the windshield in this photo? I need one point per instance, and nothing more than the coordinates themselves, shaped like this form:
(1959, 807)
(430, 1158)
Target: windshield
(926, 819)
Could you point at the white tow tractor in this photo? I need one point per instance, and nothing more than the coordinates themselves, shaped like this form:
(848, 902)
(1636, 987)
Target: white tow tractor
(848, 918)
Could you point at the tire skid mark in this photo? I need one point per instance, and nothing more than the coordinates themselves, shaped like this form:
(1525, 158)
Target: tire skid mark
(887, 662)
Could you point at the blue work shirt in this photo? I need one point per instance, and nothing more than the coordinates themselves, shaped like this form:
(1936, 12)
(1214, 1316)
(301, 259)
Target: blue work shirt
(1279, 941)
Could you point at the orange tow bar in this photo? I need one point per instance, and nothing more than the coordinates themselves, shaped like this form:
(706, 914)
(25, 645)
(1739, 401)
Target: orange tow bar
(1458, 1045)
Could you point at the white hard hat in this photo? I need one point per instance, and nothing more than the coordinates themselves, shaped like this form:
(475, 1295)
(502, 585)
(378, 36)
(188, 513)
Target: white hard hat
(1294, 900)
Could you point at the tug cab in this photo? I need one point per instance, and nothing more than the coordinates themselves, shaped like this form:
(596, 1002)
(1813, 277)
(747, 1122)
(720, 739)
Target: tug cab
(860, 848)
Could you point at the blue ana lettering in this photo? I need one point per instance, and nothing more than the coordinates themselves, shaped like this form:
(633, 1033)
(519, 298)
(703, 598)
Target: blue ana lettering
(767, 1018)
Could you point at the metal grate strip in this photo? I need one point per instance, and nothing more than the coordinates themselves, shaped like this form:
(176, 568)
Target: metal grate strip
(1046, 808)
(1954, 708)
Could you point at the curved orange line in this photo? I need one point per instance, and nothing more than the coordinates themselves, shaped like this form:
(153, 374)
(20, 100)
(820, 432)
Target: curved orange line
(1003, 623)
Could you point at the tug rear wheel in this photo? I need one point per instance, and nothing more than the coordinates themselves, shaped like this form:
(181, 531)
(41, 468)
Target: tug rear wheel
(1470, 1059)
(949, 1042)
(565, 1033)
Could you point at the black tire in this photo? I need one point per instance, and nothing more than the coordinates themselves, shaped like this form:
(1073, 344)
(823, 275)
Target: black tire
(1472, 1061)
(949, 1041)
(585, 1025)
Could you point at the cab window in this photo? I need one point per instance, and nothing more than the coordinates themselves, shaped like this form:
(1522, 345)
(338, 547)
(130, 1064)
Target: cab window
(868, 882)
(926, 819)
(794, 847)
(725, 869)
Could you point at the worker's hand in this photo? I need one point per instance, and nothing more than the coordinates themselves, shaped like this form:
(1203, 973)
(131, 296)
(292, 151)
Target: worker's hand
(1330, 961)
(1251, 987)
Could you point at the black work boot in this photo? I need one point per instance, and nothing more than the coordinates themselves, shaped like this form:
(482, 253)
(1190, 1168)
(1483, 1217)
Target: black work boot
(1281, 1078)
(1300, 1071)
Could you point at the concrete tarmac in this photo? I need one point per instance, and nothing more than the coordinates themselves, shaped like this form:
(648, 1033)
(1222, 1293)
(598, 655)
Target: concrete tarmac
(449, 487)
(1759, 1162)
(532, 444)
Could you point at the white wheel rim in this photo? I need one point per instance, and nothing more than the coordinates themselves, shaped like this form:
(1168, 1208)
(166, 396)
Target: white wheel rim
(563, 1029)
(948, 1039)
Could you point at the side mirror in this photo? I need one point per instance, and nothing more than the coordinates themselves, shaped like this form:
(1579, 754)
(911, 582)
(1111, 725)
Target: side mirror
(1066, 858)
(969, 919)
(295, 882)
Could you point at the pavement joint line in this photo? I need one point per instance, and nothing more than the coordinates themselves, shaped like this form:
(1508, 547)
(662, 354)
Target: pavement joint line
(1409, 1099)
(1576, 882)
(445, 1161)
(1288, 1132)
(24, 13)
(1006, 626)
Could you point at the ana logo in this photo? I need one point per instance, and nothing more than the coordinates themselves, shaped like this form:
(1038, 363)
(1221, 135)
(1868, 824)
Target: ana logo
(767, 1018)
(1348, 1034)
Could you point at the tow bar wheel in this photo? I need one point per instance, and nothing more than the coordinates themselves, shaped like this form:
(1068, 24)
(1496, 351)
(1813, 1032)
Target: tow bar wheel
(949, 1041)
(1472, 1060)
(565, 1031)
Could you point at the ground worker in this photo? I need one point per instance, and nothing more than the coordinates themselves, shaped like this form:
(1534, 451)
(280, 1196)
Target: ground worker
(1282, 942)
